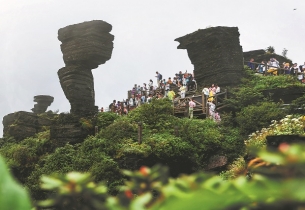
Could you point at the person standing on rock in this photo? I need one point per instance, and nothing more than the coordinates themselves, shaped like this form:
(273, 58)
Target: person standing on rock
(192, 105)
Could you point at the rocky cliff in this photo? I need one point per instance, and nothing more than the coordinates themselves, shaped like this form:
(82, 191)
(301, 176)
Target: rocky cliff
(216, 55)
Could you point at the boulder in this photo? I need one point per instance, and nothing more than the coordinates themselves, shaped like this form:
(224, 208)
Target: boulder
(216, 162)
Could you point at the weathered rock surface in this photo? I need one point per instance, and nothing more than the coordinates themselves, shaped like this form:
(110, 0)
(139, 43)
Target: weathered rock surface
(261, 55)
(216, 55)
(216, 162)
(84, 47)
(43, 102)
(21, 125)
(78, 86)
(88, 44)
(68, 129)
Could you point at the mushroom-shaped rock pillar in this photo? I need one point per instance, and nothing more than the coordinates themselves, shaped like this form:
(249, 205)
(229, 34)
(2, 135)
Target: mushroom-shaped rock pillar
(43, 102)
(216, 55)
(84, 46)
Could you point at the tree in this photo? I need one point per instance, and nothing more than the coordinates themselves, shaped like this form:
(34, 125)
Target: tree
(284, 52)
(270, 49)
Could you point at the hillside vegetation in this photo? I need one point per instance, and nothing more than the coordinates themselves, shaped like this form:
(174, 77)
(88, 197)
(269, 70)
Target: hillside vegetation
(183, 145)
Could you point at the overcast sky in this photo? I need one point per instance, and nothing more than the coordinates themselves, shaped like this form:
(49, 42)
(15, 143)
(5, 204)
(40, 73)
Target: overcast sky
(144, 33)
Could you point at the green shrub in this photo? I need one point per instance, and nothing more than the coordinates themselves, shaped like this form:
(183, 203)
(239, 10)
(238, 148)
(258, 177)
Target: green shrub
(155, 115)
(255, 117)
(166, 146)
(119, 130)
(104, 119)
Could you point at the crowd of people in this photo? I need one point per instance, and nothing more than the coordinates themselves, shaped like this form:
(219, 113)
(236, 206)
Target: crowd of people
(183, 82)
(273, 67)
(210, 95)
(163, 88)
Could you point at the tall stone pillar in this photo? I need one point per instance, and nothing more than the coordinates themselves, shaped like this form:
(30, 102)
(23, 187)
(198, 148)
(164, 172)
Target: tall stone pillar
(216, 55)
(84, 46)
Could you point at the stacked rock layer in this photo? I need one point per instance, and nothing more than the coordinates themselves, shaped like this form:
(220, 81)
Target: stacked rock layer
(216, 55)
(43, 102)
(84, 47)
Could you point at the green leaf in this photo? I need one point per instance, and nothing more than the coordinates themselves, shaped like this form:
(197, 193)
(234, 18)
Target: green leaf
(12, 195)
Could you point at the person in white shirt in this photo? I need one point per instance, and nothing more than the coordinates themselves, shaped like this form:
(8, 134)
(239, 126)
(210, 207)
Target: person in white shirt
(205, 91)
(150, 84)
(217, 89)
(299, 72)
(182, 91)
(274, 66)
(167, 87)
(212, 108)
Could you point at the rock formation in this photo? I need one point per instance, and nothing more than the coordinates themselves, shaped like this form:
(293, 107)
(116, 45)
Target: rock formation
(43, 102)
(261, 55)
(216, 55)
(84, 47)
(21, 125)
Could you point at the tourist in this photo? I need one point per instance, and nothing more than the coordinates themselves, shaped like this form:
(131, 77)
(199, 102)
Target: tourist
(175, 80)
(171, 95)
(102, 109)
(112, 106)
(212, 89)
(300, 73)
(217, 90)
(274, 66)
(261, 68)
(144, 89)
(182, 91)
(167, 88)
(192, 105)
(250, 64)
(143, 99)
(205, 91)
(132, 101)
(127, 104)
(159, 78)
(212, 108)
(150, 84)
(138, 100)
(169, 81)
(183, 81)
(151, 91)
(191, 84)
(286, 68)
(294, 69)
(149, 98)
(119, 108)
(217, 117)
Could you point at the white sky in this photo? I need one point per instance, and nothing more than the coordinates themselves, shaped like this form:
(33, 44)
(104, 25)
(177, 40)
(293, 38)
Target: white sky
(144, 33)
